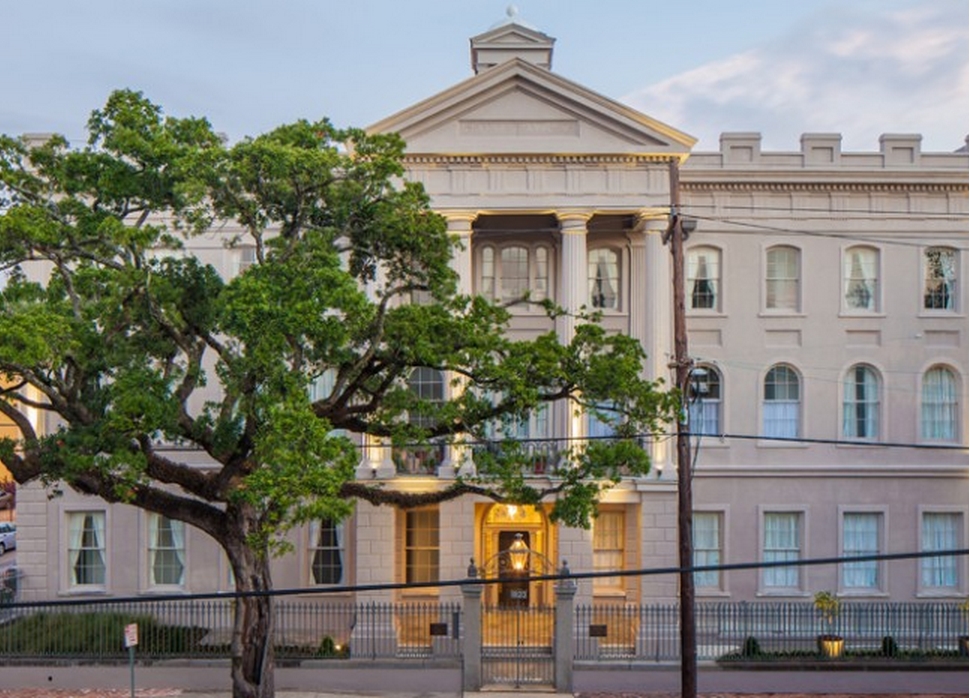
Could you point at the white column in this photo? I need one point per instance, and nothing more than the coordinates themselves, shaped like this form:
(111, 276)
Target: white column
(573, 292)
(460, 228)
(573, 286)
(658, 330)
(457, 459)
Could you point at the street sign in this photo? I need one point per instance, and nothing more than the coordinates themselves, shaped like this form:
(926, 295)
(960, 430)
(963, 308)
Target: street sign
(131, 635)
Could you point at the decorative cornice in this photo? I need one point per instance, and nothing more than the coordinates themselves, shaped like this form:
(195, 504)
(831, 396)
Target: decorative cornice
(827, 186)
(543, 159)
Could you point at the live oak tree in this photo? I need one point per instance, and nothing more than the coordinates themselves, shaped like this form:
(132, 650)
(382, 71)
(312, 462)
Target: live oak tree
(126, 343)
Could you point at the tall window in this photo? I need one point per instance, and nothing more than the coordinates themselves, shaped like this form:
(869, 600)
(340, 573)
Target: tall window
(421, 459)
(860, 536)
(703, 278)
(860, 273)
(707, 548)
(860, 403)
(603, 277)
(704, 406)
(782, 278)
(941, 531)
(938, 418)
(86, 548)
(782, 402)
(608, 546)
(782, 543)
(512, 272)
(421, 545)
(326, 552)
(939, 278)
(166, 551)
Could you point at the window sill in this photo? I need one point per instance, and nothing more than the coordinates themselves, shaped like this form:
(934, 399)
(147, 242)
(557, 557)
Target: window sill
(857, 594)
(712, 593)
(164, 590)
(782, 314)
(862, 314)
(783, 593)
(790, 442)
(713, 314)
(85, 591)
(953, 593)
(942, 314)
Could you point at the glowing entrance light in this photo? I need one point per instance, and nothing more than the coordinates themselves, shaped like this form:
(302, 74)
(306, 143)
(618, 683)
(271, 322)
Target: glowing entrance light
(519, 553)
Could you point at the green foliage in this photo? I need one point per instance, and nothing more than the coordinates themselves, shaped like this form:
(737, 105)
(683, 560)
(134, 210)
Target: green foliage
(828, 605)
(120, 324)
(889, 648)
(94, 634)
(751, 647)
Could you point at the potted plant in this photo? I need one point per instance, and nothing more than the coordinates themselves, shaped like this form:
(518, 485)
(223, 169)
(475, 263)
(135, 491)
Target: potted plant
(827, 605)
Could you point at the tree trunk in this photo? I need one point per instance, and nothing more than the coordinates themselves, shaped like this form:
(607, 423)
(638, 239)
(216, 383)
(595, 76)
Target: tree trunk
(252, 637)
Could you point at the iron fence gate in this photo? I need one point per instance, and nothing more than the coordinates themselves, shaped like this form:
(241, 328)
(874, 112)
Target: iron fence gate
(517, 645)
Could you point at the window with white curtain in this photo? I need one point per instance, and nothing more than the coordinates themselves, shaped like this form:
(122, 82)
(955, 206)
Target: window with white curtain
(861, 532)
(707, 548)
(704, 396)
(326, 552)
(703, 278)
(166, 551)
(782, 543)
(781, 409)
(860, 403)
(860, 275)
(940, 531)
(938, 408)
(603, 278)
(782, 271)
(511, 272)
(939, 278)
(86, 548)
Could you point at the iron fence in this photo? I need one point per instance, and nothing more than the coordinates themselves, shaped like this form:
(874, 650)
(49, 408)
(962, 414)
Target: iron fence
(203, 629)
(651, 632)
(314, 629)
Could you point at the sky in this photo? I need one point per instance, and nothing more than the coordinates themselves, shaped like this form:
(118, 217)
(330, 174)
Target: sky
(779, 67)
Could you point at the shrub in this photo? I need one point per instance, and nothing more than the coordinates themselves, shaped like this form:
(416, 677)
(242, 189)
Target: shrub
(751, 648)
(889, 647)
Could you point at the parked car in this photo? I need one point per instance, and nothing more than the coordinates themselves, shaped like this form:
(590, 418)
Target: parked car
(8, 536)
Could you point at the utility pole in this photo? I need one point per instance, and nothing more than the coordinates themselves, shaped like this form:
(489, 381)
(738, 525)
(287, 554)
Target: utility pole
(675, 235)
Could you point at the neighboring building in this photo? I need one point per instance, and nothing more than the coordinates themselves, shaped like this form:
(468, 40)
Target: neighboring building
(827, 313)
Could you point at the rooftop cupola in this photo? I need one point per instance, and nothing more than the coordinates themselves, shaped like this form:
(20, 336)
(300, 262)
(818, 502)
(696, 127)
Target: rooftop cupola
(508, 39)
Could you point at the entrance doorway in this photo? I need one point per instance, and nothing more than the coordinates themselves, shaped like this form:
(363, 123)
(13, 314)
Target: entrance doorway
(518, 616)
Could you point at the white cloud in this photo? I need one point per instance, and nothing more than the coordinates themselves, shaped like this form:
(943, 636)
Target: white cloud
(861, 74)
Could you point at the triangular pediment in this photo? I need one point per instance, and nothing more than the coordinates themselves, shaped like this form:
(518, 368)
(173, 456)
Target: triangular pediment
(516, 107)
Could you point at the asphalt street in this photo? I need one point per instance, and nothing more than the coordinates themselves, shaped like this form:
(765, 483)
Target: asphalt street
(434, 682)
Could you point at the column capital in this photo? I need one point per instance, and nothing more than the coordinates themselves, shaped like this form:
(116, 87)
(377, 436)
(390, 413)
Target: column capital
(651, 220)
(459, 222)
(573, 222)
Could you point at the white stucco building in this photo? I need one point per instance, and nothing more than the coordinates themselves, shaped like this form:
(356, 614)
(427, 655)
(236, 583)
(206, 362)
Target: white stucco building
(827, 313)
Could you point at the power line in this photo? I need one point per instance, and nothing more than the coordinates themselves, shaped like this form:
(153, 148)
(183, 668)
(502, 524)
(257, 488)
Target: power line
(564, 574)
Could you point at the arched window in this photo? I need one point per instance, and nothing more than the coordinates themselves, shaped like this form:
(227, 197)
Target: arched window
(704, 396)
(781, 408)
(938, 416)
(603, 277)
(860, 278)
(782, 276)
(512, 272)
(860, 403)
(703, 290)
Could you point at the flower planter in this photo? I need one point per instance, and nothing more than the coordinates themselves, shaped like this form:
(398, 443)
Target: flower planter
(831, 646)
